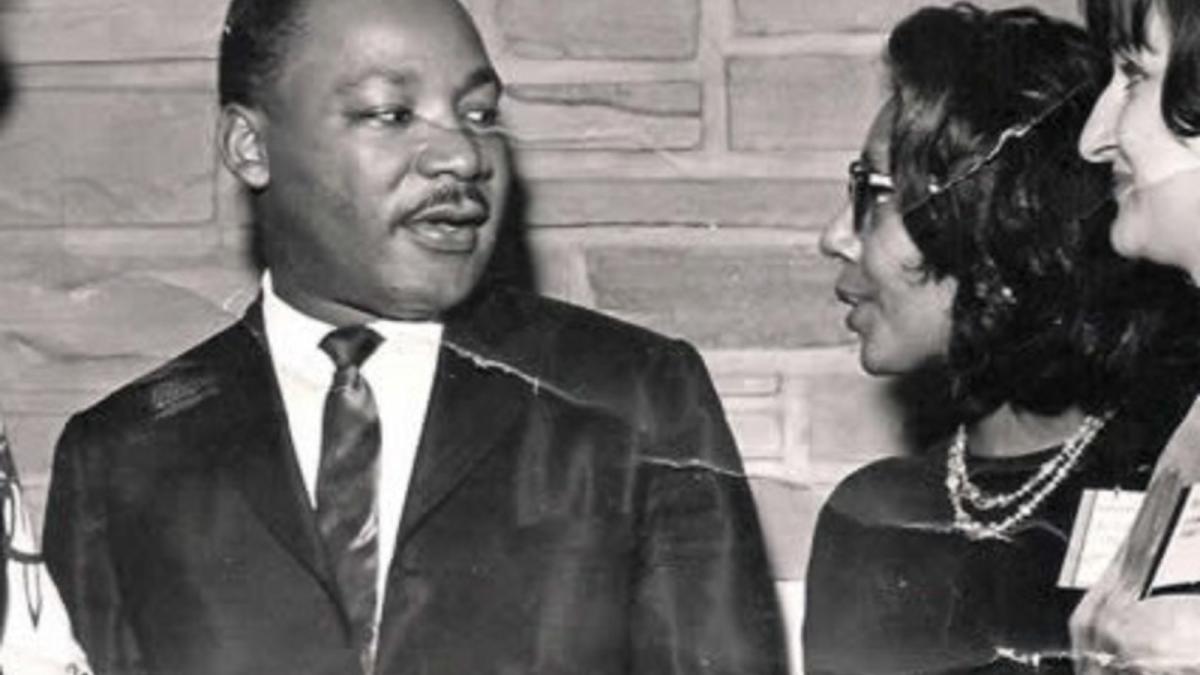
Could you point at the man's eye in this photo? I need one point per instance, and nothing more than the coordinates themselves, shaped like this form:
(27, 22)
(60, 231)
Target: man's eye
(390, 117)
(483, 118)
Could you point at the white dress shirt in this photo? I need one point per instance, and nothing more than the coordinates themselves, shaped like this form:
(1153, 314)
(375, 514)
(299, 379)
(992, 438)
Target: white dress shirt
(400, 373)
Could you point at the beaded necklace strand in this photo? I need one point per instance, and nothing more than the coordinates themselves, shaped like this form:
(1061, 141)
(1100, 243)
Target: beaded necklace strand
(1027, 498)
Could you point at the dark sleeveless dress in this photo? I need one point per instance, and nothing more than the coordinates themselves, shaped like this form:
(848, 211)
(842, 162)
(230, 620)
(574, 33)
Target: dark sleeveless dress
(891, 588)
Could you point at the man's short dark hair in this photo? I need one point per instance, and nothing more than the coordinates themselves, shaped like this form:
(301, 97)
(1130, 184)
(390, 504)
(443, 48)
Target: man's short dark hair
(1121, 26)
(989, 108)
(254, 44)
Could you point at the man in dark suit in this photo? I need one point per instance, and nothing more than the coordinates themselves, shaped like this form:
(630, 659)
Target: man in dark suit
(387, 466)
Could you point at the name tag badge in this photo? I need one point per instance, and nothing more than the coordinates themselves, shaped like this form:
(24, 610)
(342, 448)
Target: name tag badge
(1177, 564)
(1101, 525)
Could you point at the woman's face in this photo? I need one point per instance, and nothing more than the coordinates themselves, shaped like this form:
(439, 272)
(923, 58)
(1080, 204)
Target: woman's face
(1156, 173)
(901, 315)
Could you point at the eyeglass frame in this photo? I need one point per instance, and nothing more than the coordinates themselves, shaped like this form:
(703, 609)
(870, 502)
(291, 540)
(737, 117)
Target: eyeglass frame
(864, 186)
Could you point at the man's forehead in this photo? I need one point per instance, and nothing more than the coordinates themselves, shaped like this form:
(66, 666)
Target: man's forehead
(433, 18)
(391, 28)
(406, 75)
(390, 41)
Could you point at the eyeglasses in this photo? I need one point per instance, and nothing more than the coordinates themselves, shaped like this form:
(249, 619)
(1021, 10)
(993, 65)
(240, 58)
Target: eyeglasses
(866, 187)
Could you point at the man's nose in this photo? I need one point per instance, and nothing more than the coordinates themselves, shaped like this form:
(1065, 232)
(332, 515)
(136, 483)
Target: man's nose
(1098, 141)
(452, 150)
(839, 240)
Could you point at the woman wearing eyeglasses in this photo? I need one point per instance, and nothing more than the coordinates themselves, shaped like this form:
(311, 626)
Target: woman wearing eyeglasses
(1146, 126)
(977, 245)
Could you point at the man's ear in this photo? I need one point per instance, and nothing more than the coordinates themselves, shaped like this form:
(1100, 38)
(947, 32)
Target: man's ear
(241, 139)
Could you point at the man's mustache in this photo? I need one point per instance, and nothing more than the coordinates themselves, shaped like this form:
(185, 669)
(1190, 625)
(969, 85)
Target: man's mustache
(453, 195)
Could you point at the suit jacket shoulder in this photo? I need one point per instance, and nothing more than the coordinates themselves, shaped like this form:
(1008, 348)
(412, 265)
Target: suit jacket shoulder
(160, 420)
(181, 383)
(657, 384)
(571, 346)
(566, 336)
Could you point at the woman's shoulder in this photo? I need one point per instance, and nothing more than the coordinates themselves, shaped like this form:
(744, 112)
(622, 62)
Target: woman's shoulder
(894, 489)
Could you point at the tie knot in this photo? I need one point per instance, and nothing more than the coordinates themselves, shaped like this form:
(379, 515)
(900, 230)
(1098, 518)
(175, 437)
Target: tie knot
(350, 345)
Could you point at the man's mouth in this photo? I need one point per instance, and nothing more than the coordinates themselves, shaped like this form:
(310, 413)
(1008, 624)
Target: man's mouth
(443, 238)
(448, 227)
(467, 213)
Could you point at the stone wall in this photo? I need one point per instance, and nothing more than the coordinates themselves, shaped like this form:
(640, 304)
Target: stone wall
(679, 156)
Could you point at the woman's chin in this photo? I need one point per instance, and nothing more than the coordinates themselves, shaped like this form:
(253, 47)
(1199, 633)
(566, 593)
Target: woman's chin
(1124, 237)
(881, 363)
(1158, 221)
(1133, 233)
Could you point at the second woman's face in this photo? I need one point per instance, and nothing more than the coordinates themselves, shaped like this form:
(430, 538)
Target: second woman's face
(901, 315)
(1156, 173)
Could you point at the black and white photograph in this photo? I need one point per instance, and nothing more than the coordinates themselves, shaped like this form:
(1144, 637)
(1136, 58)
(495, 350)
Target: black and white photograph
(599, 337)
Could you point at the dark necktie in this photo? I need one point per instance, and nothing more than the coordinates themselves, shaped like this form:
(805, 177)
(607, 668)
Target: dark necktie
(347, 508)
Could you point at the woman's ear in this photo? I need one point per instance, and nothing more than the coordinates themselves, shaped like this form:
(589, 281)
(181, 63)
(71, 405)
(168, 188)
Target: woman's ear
(241, 139)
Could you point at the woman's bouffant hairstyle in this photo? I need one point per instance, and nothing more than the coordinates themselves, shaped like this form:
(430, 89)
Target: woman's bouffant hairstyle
(254, 43)
(988, 108)
(1121, 26)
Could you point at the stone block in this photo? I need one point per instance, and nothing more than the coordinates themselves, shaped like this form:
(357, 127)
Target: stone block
(140, 247)
(802, 102)
(111, 30)
(737, 297)
(107, 157)
(116, 316)
(777, 17)
(82, 310)
(559, 268)
(600, 29)
(788, 514)
(39, 402)
(228, 286)
(31, 255)
(70, 257)
(759, 433)
(56, 386)
(604, 116)
(747, 386)
(700, 202)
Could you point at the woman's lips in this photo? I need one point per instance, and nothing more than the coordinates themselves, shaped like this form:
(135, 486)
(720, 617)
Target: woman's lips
(1123, 184)
(856, 318)
(857, 303)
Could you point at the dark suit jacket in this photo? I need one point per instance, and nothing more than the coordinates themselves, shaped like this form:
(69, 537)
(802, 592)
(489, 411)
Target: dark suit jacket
(577, 506)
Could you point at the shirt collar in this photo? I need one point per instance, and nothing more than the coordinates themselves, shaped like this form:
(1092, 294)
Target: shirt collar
(295, 337)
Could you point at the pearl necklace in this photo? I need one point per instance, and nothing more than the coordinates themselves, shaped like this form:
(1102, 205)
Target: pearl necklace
(1027, 498)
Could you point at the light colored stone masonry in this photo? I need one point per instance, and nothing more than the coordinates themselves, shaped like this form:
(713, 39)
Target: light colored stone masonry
(680, 157)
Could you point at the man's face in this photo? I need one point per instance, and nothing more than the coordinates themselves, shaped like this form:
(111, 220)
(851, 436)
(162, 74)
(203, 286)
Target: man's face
(387, 175)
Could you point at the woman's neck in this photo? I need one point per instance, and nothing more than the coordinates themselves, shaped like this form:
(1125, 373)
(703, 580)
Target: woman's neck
(1008, 433)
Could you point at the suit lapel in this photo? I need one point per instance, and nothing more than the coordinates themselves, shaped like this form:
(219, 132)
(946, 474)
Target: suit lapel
(472, 408)
(262, 462)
